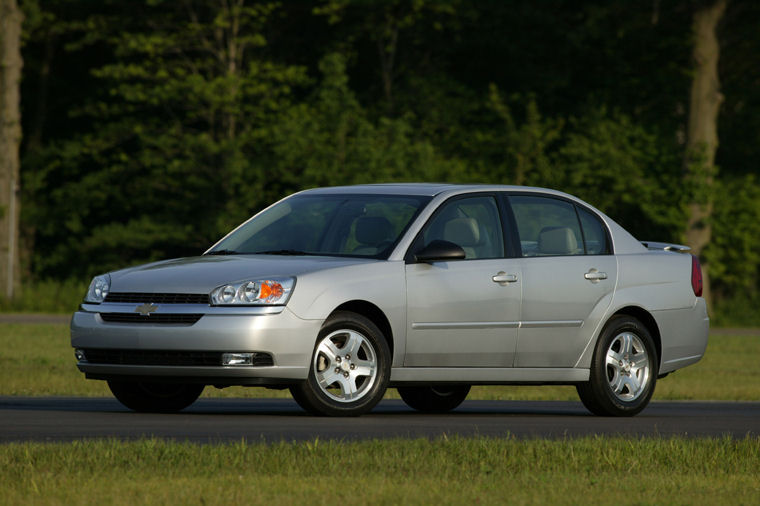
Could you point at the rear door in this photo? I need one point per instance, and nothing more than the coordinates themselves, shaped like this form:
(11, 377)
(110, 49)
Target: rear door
(568, 275)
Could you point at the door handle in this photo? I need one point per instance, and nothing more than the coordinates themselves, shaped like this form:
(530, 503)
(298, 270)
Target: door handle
(595, 276)
(503, 277)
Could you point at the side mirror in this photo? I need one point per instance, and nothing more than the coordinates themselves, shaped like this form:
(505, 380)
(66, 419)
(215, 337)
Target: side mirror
(439, 251)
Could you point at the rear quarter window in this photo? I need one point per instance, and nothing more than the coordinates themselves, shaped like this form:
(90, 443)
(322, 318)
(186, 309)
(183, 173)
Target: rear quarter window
(594, 233)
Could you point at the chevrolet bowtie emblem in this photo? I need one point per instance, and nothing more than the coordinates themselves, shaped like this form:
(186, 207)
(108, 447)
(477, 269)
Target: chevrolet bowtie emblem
(146, 309)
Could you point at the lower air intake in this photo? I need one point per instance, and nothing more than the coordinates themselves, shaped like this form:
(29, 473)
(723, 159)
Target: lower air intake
(166, 357)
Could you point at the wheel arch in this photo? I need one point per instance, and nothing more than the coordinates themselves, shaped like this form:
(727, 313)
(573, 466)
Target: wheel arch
(374, 313)
(649, 322)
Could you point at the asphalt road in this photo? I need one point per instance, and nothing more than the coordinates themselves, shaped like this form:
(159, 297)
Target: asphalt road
(272, 420)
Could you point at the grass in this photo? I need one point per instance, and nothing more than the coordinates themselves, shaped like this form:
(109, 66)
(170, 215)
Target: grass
(443, 471)
(62, 297)
(37, 360)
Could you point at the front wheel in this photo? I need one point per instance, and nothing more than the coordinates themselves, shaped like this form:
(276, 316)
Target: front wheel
(350, 368)
(155, 397)
(434, 399)
(623, 370)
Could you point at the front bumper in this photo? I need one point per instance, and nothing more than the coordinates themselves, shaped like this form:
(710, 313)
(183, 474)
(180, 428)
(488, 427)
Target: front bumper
(272, 330)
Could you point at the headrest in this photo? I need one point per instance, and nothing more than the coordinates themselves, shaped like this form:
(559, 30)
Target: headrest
(463, 232)
(373, 230)
(557, 241)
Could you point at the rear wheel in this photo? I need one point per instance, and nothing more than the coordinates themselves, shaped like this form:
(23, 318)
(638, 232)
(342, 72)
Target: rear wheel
(350, 368)
(434, 399)
(155, 397)
(623, 371)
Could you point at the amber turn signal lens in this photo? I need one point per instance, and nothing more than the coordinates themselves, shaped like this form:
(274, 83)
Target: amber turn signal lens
(270, 289)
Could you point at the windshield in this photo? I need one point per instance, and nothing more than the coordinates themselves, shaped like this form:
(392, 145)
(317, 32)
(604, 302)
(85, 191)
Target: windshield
(332, 225)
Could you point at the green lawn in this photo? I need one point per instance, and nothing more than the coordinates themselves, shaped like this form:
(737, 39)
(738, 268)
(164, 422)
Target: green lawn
(38, 360)
(445, 471)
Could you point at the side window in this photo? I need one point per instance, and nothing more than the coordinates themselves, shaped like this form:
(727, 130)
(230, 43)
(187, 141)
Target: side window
(594, 233)
(547, 226)
(472, 223)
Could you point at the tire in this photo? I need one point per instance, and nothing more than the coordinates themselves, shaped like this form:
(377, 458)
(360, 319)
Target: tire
(350, 368)
(434, 399)
(623, 370)
(155, 397)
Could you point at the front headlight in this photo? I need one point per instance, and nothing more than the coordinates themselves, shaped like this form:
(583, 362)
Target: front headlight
(258, 292)
(99, 288)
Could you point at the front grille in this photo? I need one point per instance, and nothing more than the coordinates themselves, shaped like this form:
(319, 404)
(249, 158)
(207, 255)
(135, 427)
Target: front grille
(158, 298)
(165, 357)
(160, 318)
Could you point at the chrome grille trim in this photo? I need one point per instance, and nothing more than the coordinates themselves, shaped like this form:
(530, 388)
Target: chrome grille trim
(110, 307)
(157, 298)
(153, 319)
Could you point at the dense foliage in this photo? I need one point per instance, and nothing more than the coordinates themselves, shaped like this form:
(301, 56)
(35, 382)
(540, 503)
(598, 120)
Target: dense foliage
(153, 127)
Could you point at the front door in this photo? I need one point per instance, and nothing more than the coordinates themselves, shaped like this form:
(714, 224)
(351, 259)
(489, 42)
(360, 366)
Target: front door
(464, 313)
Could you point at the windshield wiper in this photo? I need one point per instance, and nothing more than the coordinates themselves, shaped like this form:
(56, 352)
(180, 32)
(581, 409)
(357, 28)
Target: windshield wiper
(223, 252)
(282, 252)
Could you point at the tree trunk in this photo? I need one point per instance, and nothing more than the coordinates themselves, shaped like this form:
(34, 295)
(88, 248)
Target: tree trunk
(702, 133)
(387, 40)
(35, 131)
(10, 139)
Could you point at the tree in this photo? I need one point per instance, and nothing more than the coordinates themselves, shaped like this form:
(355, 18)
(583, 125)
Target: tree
(177, 151)
(385, 22)
(164, 125)
(10, 139)
(702, 130)
(525, 147)
(733, 253)
(329, 140)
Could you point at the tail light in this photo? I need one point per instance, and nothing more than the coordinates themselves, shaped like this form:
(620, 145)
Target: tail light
(696, 276)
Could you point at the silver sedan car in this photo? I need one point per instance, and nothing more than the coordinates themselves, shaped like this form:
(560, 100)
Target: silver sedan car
(340, 293)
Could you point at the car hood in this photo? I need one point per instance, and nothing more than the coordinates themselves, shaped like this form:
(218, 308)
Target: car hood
(203, 274)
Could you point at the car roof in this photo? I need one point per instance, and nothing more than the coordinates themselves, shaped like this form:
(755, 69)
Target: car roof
(422, 189)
